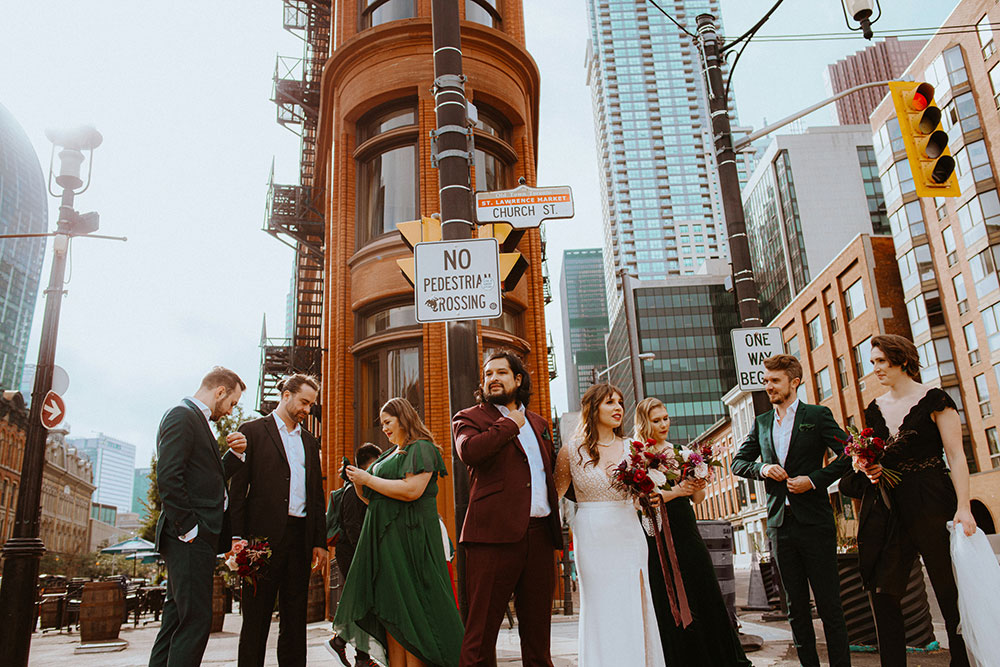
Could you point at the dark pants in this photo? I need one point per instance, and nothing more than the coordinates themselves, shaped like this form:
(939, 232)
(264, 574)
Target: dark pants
(807, 556)
(345, 554)
(493, 572)
(187, 611)
(287, 578)
(932, 541)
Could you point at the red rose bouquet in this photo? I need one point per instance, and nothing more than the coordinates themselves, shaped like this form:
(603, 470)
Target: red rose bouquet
(867, 449)
(249, 559)
(642, 472)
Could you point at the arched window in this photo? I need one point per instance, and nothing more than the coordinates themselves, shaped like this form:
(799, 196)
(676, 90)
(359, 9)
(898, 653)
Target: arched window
(494, 154)
(377, 12)
(483, 12)
(388, 170)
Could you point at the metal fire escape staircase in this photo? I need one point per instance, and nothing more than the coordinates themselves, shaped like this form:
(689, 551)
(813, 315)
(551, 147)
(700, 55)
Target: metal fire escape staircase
(294, 213)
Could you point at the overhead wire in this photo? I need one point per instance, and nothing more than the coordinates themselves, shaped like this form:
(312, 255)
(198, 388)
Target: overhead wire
(750, 33)
(675, 22)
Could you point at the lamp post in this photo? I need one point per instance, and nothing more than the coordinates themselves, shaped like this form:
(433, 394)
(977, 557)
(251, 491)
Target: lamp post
(645, 356)
(21, 553)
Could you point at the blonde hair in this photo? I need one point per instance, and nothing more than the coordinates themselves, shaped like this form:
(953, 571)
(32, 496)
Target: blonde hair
(643, 425)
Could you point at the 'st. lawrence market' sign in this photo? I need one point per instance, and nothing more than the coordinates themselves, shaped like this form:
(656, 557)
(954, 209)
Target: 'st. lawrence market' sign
(457, 280)
(524, 207)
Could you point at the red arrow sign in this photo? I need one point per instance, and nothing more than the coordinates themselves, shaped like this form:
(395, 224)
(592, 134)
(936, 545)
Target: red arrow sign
(53, 410)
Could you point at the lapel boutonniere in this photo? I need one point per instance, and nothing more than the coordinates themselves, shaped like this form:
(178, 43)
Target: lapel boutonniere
(806, 427)
(545, 434)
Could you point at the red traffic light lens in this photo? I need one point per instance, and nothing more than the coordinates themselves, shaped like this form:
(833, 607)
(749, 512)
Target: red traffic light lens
(919, 102)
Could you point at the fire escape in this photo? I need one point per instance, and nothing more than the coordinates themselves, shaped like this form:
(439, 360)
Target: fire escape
(294, 213)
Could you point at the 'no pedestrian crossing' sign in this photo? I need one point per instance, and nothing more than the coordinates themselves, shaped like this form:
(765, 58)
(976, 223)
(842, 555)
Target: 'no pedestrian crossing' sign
(751, 347)
(457, 280)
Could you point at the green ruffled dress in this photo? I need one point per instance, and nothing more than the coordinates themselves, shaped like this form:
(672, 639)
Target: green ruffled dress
(399, 583)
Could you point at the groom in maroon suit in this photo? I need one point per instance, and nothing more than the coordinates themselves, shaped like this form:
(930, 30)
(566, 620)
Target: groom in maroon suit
(512, 525)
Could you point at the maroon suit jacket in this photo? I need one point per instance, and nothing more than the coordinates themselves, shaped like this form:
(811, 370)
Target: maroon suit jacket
(500, 497)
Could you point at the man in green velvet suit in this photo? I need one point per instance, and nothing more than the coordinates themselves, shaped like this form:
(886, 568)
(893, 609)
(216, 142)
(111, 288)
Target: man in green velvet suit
(791, 441)
(192, 527)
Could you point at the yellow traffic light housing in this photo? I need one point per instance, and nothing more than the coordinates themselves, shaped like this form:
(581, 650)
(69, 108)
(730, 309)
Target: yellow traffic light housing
(512, 263)
(926, 142)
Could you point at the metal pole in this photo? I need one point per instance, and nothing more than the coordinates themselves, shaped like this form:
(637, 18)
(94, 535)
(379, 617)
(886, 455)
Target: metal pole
(23, 550)
(744, 285)
(454, 153)
(635, 364)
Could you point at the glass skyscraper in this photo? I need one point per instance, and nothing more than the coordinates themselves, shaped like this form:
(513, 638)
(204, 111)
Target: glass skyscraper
(114, 469)
(663, 214)
(585, 319)
(23, 210)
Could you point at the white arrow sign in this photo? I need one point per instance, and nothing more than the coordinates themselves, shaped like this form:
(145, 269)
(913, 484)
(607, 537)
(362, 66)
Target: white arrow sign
(524, 207)
(53, 410)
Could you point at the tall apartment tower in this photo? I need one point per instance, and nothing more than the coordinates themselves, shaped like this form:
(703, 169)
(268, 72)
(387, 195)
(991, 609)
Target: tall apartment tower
(881, 61)
(23, 210)
(584, 319)
(662, 212)
(373, 166)
(948, 249)
(798, 217)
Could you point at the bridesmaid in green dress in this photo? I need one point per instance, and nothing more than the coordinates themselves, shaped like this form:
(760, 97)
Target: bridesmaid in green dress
(397, 599)
(711, 640)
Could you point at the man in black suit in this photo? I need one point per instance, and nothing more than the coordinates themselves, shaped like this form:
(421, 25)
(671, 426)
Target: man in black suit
(192, 529)
(791, 441)
(277, 495)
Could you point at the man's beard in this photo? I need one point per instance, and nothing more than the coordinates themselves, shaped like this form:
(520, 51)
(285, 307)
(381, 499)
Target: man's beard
(503, 398)
(781, 398)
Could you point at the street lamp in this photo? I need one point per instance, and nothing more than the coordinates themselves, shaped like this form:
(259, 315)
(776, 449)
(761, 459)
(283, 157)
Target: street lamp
(645, 356)
(23, 550)
(861, 11)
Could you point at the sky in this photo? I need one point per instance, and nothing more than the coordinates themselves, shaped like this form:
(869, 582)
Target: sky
(181, 94)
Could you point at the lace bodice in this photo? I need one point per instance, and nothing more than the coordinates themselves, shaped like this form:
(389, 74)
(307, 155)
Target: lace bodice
(917, 444)
(590, 482)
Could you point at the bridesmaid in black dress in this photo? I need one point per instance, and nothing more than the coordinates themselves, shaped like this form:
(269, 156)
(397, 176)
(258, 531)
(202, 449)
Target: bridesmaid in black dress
(711, 640)
(918, 423)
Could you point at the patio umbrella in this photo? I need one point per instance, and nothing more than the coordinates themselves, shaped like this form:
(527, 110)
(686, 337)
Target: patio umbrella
(132, 546)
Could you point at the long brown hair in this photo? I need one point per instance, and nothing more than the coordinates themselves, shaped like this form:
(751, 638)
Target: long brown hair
(409, 420)
(589, 411)
(643, 427)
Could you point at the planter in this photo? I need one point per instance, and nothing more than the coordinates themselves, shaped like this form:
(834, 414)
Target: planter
(102, 608)
(218, 602)
(316, 609)
(858, 611)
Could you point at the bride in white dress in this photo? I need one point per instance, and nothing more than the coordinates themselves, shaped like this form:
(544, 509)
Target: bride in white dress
(617, 620)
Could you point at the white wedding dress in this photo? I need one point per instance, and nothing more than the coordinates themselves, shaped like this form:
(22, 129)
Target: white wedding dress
(617, 619)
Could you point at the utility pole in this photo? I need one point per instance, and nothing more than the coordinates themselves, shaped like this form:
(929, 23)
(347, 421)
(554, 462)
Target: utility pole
(744, 286)
(453, 153)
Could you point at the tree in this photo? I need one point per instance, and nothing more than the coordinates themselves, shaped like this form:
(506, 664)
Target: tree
(153, 504)
(228, 424)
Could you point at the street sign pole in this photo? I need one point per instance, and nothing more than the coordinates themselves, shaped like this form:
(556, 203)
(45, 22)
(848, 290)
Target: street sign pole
(453, 156)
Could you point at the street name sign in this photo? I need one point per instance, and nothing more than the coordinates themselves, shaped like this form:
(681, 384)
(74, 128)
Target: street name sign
(751, 346)
(53, 410)
(457, 280)
(524, 207)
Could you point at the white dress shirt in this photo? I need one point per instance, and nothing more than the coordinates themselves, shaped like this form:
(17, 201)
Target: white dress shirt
(295, 452)
(781, 432)
(539, 489)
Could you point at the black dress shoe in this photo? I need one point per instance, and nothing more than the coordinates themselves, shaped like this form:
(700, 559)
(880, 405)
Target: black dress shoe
(338, 647)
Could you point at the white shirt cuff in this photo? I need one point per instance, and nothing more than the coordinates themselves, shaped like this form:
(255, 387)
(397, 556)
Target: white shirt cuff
(242, 456)
(190, 535)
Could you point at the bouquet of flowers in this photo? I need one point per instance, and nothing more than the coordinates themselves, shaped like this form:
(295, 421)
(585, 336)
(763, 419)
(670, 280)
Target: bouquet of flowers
(865, 448)
(248, 559)
(642, 472)
(697, 461)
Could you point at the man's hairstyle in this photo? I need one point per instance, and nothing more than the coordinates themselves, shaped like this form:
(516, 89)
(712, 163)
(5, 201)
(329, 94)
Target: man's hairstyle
(523, 393)
(223, 377)
(366, 453)
(784, 362)
(900, 352)
(292, 383)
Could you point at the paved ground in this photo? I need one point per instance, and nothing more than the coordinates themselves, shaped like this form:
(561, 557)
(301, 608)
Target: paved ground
(60, 648)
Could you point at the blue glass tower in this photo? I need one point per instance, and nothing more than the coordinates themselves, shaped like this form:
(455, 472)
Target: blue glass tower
(663, 215)
(23, 210)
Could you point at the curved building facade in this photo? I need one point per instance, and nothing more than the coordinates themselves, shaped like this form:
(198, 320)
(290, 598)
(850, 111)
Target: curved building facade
(373, 159)
(23, 210)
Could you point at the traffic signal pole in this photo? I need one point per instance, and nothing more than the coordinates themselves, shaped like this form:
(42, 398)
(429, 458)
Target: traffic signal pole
(453, 153)
(744, 285)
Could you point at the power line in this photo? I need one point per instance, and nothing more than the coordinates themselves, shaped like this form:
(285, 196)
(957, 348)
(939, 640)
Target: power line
(679, 25)
(750, 33)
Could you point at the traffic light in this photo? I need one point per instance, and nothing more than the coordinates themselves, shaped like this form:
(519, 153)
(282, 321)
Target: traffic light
(512, 263)
(931, 162)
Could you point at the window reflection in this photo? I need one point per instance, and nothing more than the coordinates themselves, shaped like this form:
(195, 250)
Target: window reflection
(377, 12)
(476, 11)
(387, 191)
(385, 374)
